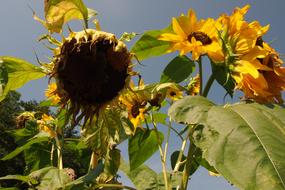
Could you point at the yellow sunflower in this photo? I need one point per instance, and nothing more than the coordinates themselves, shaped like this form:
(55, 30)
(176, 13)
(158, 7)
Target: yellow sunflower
(191, 35)
(51, 93)
(136, 107)
(242, 53)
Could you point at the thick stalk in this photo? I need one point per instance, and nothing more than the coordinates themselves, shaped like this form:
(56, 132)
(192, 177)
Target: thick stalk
(201, 75)
(162, 156)
(59, 153)
(208, 85)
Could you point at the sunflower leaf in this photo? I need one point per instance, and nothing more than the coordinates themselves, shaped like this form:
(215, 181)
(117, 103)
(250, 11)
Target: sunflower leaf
(143, 145)
(240, 141)
(179, 69)
(59, 12)
(148, 45)
(15, 72)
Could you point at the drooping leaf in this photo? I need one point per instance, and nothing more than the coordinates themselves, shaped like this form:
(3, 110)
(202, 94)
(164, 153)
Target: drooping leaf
(143, 145)
(112, 162)
(19, 72)
(59, 12)
(24, 147)
(50, 178)
(148, 45)
(244, 142)
(180, 68)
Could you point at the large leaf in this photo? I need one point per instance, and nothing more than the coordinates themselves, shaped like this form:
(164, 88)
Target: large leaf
(59, 12)
(244, 142)
(19, 72)
(180, 68)
(148, 45)
(22, 178)
(24, 147)
(143, 145)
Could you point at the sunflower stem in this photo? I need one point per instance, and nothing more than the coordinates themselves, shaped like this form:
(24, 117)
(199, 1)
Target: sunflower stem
(201, 75)
(208, 85)
(189, 161)
(59, 153)
(162, 155)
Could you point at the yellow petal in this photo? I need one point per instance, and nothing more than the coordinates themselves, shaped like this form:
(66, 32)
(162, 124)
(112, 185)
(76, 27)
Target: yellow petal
(177, 28)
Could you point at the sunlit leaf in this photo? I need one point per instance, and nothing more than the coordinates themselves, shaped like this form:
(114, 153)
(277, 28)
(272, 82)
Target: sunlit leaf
(148, 45)
(244, 142)
(143, 145)
(59, 12)
(19, 72)
(128, 36)
(179, 69)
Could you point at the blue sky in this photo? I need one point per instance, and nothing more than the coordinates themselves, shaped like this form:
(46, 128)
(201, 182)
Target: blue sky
(19, 34)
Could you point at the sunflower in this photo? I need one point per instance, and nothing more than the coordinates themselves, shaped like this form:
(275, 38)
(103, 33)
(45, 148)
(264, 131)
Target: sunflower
(136, 105)
(51, 94)
(191, 35)
(90, 68)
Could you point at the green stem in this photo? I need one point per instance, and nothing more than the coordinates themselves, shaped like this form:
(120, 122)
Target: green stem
(189, 161)
(115, 186)
(208, 85)
(201, 75)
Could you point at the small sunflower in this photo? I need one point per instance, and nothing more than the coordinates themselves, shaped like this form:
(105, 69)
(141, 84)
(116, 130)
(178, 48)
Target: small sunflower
(135, 105)
(51, 93)
(174, 93)
(191, 35)
(194, 86)
(46, 123)
(90, 68)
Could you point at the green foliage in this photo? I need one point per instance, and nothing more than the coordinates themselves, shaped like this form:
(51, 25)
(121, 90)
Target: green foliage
(222, 75)
(19, 73)
(148, 45)
(143, 145)
(179, 69)
(241, 141)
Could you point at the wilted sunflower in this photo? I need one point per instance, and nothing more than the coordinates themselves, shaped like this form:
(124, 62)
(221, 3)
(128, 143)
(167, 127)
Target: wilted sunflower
(91, 68)
(245, 56)
(191, 35)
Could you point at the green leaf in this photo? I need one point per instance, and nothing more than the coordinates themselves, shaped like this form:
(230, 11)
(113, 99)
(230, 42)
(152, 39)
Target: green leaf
(24, 147)
(50, 178)
(222, 75)
(143, 145)
(145, 178)
(112, 162)
(148, 45)
(244, 142)
(59, 12)
(19, 73)
(22, 178)
(179, 69)
(158, 118)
